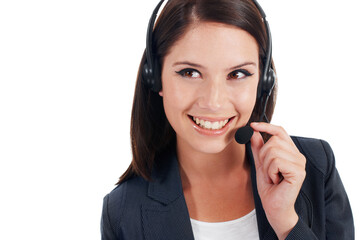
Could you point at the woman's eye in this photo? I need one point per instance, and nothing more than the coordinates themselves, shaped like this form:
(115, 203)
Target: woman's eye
(239, 74)
(189, 73)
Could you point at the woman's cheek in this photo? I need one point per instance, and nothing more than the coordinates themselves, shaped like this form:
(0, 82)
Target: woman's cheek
(245, 100)
(176, 98)
(180, 95)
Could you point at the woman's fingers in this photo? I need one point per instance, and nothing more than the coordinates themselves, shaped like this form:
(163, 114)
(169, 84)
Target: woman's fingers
(257, 143)
(279, 169)
(275, 146)
(274, 153)
(272, 130)
(279, 146)
(279, 157)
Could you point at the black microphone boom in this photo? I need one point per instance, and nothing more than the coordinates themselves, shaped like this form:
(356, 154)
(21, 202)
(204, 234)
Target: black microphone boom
(265, 86)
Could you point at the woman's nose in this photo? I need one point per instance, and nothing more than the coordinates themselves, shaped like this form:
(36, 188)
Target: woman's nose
(213, 94)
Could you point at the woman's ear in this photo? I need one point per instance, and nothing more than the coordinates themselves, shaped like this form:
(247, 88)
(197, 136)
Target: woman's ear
(161, 93)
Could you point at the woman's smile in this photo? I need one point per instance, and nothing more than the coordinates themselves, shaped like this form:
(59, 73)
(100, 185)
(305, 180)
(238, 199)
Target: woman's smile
(210, 126)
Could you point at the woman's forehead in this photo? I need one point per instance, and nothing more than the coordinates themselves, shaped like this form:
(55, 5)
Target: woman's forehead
(215, 43)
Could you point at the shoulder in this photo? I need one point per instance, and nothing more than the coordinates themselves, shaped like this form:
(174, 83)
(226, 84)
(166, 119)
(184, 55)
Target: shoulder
(323, 202)
(122, 203)
(134, 185)
(126, 194)
(318, 153)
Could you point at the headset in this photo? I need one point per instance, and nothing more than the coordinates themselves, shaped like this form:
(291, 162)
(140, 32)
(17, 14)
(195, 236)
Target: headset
(151, 73)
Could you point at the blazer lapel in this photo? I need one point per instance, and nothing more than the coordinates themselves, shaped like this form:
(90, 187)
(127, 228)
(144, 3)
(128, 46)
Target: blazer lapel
(166, 216)
(265, 230)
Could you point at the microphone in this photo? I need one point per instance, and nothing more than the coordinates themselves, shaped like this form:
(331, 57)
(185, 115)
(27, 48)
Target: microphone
(244, 134)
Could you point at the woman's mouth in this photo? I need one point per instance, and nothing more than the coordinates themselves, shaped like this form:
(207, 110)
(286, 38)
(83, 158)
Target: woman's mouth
(210, 124)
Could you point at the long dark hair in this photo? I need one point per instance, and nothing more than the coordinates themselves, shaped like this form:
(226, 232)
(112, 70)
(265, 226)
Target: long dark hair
(151, 133)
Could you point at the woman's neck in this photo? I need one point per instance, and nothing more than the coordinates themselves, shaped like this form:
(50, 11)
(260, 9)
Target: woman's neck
(198, 166)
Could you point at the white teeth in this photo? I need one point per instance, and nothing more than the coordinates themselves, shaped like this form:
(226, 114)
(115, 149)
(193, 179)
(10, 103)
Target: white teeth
(215, 125)
(210, 125)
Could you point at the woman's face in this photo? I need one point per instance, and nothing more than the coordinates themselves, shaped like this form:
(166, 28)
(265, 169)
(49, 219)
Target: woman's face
(209, 84)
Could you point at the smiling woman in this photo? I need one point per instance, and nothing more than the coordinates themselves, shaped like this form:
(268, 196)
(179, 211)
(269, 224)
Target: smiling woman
(211, 84)
(202, 78)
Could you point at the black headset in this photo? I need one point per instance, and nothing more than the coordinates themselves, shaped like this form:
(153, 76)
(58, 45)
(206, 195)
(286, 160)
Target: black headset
(151, 73)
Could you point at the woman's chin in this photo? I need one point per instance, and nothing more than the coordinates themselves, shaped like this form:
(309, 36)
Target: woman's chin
(209, 147)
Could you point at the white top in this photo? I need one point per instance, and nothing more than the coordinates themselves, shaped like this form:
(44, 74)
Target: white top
(244, 228)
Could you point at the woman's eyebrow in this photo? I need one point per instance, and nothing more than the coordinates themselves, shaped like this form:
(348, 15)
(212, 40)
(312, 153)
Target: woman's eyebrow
(242, 65)
(188, 63)
(200, 66)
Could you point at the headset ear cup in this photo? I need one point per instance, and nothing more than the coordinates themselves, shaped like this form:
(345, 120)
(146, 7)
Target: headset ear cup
(147, 75)
(151, 76)
(270, 82)
(266, 84)
(156, 86)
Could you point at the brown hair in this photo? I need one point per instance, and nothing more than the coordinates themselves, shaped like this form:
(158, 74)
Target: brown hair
(151, 133)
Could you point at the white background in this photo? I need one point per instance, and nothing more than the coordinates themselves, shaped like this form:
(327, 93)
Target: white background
(67, 74)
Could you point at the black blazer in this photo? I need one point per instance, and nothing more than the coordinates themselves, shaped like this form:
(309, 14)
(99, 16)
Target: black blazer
(156, 210)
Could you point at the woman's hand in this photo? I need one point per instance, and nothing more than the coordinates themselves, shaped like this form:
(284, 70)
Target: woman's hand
(280, 172)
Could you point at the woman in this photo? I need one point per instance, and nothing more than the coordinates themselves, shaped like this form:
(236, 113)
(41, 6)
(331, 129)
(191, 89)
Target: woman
(202, 78)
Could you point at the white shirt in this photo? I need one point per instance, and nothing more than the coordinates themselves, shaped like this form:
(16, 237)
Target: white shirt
(244, 228)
